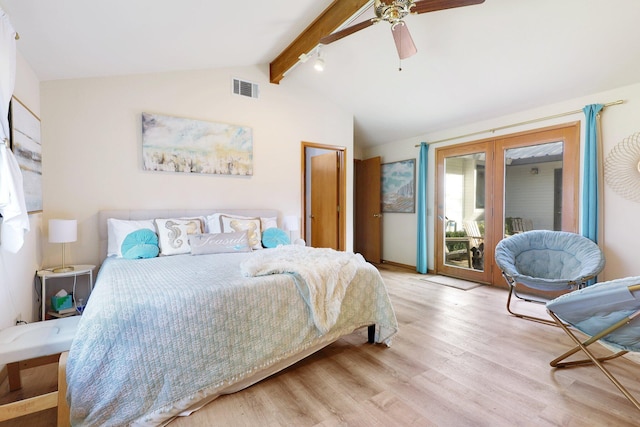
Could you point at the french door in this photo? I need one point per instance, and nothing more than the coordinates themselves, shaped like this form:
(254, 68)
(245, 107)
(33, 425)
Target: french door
(463, 211)
(494, 188)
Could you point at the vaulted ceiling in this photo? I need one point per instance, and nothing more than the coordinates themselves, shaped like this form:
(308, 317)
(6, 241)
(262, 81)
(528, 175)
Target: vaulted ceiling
(473, 63)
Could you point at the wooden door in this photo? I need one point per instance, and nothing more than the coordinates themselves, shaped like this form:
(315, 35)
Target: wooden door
(528, 166)
(485, 187)
(368, 226)
(324, 200)
(464, 215)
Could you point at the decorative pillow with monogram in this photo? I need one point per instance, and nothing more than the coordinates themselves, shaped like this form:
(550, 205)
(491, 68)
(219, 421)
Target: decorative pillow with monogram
(218, 243)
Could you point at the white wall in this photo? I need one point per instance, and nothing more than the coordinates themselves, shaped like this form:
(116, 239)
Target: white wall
(17, 271)
(92, 129)
(621, 226)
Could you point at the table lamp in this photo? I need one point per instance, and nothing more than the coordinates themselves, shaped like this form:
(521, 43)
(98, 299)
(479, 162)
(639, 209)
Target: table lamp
(290, 223)
(63, 231)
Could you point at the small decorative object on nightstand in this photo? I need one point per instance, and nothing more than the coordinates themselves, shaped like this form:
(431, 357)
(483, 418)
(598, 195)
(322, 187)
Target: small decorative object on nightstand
(75, 272)
(63, 231)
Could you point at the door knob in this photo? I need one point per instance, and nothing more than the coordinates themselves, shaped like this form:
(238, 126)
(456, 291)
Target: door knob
(377, 215)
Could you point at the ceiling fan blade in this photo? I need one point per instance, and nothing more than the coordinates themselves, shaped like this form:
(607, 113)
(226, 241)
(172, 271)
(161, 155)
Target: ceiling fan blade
(425, 6)
(404, 41)
(346, 32)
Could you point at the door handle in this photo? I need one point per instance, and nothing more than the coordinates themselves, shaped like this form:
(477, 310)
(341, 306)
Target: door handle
(377, 215)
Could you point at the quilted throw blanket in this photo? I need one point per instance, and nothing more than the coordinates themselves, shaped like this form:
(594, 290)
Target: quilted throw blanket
(322, 276)
(159, 336)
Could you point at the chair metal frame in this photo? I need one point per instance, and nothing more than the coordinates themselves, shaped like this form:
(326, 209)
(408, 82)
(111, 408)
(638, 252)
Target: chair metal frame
(573, 285)
(592, 359)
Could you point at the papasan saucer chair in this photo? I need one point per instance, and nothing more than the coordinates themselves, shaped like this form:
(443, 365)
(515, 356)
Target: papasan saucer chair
(548, 261)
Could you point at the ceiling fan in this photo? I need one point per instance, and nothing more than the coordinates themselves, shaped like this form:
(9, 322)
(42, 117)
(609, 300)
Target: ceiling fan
(393, 12)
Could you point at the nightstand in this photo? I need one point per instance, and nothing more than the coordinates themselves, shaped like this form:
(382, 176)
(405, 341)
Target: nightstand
(44, 275)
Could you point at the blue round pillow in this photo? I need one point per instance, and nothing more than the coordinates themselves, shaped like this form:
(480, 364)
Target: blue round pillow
(273, 237)
(139, 244)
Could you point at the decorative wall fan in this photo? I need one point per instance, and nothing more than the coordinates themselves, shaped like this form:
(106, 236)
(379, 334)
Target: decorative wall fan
(622, 168)
(393, 12)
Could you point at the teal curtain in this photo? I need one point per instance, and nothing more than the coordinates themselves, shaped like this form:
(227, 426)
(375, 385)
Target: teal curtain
(590, 180)
(421, 262)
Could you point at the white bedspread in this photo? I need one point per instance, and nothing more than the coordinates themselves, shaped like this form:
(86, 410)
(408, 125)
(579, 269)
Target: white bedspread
(322, 276)
(160, 335)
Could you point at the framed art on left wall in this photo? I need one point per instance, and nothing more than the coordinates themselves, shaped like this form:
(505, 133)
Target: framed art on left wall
(27, 148)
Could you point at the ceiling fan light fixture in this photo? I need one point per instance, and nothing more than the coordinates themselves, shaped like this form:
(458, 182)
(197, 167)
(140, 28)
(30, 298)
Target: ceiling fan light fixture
(404, 42)
(393, 12)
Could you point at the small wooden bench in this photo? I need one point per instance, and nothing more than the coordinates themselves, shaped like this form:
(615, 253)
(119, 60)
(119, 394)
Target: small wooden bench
(31, 345)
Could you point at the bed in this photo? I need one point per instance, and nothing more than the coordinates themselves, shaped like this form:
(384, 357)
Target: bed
(163, 336)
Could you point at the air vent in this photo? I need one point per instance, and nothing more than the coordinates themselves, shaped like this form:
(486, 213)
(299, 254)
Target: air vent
(245, 88)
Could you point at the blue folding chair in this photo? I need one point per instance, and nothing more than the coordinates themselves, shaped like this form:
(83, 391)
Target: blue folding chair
(608, 312)
(548, 261)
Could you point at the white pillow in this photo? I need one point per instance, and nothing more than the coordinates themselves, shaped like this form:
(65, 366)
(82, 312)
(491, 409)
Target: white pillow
(173, 234)
(118, 229)
(269, 222)
(232, 224)
(214, 224)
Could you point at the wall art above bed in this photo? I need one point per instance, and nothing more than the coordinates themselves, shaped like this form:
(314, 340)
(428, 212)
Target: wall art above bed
(173, 144)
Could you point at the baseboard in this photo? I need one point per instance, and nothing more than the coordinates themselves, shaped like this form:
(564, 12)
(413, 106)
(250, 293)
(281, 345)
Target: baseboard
(397, 264)
(403, 266)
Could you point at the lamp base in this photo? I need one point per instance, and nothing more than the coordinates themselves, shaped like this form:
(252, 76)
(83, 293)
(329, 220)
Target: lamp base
(63, 269)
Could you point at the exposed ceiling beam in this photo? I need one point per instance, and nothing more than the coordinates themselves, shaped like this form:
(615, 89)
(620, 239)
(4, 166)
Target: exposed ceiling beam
(328, 21)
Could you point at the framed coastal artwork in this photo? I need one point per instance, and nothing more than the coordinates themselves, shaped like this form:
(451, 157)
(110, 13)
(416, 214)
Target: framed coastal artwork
(26, 145)
(398, 186)
(173, 144)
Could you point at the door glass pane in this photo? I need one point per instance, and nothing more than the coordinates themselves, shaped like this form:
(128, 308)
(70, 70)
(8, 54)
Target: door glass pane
(464, 195)
(533, 188)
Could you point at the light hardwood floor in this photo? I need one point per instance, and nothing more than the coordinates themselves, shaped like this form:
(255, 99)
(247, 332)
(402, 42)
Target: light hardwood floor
(458, 360)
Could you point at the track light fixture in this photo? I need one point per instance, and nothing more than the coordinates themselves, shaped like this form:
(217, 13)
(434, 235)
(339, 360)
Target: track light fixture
(319, 64)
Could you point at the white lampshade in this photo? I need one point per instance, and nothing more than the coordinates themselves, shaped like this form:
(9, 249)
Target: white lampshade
(63, 230)
(290, 223)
